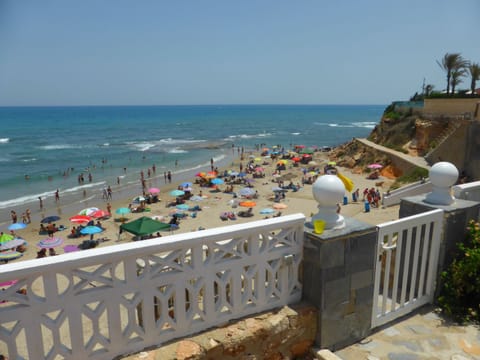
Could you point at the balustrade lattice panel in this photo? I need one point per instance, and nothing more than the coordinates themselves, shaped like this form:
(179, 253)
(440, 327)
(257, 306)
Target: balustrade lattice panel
(103, 302)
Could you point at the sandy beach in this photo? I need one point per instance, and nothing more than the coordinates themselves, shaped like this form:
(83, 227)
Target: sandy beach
(212, 204)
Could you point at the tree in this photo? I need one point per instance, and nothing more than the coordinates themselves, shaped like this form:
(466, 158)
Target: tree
(474, 70)
(457, 75)
(428, 89)
(452, 62)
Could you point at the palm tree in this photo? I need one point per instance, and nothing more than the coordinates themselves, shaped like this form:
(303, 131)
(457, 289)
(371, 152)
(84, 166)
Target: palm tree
(451, 62)
(456, 77)
(474, 70)
(428, 89)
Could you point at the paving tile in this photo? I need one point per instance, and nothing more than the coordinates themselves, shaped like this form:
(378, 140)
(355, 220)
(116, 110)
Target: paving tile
(419, 329)
(410, 345)
(402, 356)
(391, 332)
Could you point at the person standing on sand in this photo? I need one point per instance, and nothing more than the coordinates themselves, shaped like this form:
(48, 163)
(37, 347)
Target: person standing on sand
(169, 177)
(13, 215)
(40, 202)
(57, 196)
(28, 215)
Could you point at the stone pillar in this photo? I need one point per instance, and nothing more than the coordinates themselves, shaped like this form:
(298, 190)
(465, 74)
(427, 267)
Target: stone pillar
(338, 278)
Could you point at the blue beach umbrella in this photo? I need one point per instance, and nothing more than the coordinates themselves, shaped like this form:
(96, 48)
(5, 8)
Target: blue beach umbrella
(217, 181)
(246, 192)
(90, 230)
(267, 211)
(122, 211)
(177, 193)
(186, 184)
(17, 226)
(50, 218)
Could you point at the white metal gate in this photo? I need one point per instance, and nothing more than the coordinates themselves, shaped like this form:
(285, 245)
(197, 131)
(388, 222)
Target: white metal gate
(406, 265)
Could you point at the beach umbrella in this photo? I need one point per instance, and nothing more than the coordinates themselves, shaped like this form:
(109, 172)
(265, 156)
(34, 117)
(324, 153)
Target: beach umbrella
(200, 174)
(8, 283)
(17, 226)
(154, 190)
(267, 211)
(332, 163)
(144, 226)
(5, 237)
(248, 203)
(12, 244)
(122, 211)
(50, 242)
(257, 159)
(88, 211)
(100, 214)
(50, 218)
(10, 255)
(90, 230)
(241, 174)
(79, 219)
(259, 169)
(177, 193)
(246, 192)
(375, 166)
(138, 199)
(279, 206)
(217, 181)
(307, 151)
(186, 184)
(296, 159)
(182, 207)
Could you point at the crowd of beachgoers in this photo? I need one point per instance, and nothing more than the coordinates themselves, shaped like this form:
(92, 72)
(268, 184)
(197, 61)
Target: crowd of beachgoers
(262, 183)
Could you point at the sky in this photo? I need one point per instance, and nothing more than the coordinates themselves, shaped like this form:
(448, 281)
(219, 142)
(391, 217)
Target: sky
(179, 52)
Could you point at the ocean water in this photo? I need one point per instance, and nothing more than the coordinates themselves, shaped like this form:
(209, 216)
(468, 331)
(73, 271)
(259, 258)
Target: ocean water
(46, 148)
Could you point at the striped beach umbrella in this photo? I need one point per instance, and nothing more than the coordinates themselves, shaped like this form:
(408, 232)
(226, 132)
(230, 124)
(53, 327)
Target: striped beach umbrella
(50, 242)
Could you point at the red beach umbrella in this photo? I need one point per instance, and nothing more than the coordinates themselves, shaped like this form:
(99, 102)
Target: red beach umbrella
(100, 214)
(80, 219)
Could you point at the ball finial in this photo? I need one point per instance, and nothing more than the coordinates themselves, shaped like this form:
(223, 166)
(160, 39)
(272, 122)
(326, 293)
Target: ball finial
(328, 191)
(442, 175)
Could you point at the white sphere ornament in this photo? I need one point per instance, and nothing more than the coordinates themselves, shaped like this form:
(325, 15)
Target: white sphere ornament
(443, 175)
(328, 191)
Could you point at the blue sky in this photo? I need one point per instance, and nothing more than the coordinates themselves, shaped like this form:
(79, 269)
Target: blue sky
(92, 52)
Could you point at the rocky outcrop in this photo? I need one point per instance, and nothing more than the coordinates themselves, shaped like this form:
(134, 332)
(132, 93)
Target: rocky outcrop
(288, 333)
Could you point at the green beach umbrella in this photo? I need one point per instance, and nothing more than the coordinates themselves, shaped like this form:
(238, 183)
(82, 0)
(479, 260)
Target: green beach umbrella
(5, 237)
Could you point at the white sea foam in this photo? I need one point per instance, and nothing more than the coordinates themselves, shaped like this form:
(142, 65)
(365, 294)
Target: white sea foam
(177, 151)
(29, 160)
(4, 140)
(249, 136)
(295, 133)
(58, 147)
(365, 124)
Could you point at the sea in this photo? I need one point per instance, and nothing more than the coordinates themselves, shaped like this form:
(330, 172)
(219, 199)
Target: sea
(43, 149)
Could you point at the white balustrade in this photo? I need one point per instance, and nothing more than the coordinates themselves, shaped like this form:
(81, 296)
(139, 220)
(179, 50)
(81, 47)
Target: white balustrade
(100, 303)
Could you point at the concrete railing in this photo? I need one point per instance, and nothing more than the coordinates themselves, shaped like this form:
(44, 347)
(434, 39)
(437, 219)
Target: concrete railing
(395, 196)
(469, 191)
(104, 302)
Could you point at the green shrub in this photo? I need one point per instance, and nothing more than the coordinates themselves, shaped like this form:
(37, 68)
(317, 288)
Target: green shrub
(460, 293)
(415, 175)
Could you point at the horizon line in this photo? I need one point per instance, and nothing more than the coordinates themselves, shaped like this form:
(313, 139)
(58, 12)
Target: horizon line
(174, 105)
